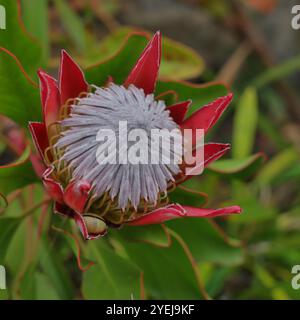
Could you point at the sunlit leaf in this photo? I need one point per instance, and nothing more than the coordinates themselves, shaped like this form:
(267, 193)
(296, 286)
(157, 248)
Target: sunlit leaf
(241, 168)
(178, 60)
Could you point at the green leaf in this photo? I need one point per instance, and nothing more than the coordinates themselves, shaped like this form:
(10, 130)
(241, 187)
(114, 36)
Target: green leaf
(199, 94)
(36, 285)
(168, 273)
(44, 287)
(245, 123)
(191, 196)
(72, 24)
(18, 98)
(178, 60)
(119, 65)
(54, 269)
(112, 277)
(277, 166)
(8, 227)
(238, 168)
(37, 23)
(205, 243)
(154, 234)
(278, 72)
(17, 40)
(17, 175)
(253, 210)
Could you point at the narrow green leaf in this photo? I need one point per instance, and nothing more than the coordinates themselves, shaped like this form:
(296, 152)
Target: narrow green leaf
(277, 165)
(241, 168)
(278, 72)
(245, 123)
(72, 24)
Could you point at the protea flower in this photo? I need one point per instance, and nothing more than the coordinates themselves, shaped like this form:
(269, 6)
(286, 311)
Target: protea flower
(98, 197)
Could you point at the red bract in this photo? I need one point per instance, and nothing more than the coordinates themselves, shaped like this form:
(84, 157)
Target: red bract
(73, 196)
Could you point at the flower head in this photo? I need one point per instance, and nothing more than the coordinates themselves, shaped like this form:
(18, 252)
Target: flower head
(99, 195)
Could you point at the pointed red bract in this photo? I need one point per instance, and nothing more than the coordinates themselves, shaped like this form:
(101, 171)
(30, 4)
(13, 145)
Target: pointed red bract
(179, 110)
(53, 188)
(145, 72)
(160, 215)
(50, 98)
(212, 152)
(175, 211)
(210, 213)
(71, 78)
(40, 137)
(76, 195)
(208, 115)
(38, 164)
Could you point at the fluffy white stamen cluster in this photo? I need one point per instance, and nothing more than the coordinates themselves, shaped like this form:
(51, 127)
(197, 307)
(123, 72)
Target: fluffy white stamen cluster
(104, 108)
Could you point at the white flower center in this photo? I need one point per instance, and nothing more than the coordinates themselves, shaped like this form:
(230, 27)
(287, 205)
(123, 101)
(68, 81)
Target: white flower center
(105, 108)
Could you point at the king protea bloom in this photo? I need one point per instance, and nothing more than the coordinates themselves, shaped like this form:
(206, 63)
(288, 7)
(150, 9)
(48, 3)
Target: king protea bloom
(111, 195)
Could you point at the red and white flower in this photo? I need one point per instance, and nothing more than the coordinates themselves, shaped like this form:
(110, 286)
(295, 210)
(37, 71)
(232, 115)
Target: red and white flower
(99, 199)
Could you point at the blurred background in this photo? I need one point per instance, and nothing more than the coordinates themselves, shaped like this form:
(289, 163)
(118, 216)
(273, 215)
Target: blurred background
(250, 46)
